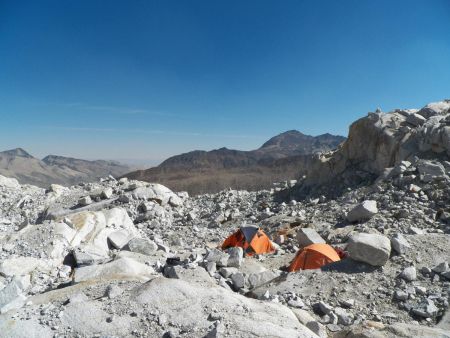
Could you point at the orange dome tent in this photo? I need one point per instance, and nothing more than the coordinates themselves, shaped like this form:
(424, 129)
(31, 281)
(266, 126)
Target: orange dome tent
(314, 256)
(250, 238)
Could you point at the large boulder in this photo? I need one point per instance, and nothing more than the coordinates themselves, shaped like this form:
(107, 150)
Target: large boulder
(308, 236)
(92, 232)
(435, 108)
(217, 256)
(8, 182)
(372, 145)
(372, 249)
(236, 257)
(430, 171)
(142, 246)
(415, 119)
(363, 211)
(383, 140)
(157, 192)
(400, 244)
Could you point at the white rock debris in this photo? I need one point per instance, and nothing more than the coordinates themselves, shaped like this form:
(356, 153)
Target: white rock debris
(124, 258)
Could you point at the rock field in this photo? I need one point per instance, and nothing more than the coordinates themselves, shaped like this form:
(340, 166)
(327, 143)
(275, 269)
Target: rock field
(124, 258)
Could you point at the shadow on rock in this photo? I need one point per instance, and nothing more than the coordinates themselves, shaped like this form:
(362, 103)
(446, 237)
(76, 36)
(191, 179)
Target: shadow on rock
(349, 266)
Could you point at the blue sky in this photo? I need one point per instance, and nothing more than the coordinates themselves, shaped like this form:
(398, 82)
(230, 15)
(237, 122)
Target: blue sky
(150, 79)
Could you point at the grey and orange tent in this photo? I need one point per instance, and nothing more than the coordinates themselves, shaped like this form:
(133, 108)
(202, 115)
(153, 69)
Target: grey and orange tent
(314, 256)
(251, 239)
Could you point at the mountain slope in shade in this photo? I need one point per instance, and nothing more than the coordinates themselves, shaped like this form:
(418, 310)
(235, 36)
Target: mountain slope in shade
(280, 158)
(55, 169)
(290, 143)
(294, 142)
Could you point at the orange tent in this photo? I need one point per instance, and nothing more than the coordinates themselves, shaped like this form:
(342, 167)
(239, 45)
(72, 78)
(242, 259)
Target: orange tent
(314, 256)
(250, 238)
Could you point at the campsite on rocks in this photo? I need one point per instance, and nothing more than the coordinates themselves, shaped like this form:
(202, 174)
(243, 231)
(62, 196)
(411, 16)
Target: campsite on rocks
(225, 169)
(359, 248)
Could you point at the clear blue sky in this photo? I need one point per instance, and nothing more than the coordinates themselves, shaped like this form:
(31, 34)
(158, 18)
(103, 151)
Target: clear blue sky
(149, 79)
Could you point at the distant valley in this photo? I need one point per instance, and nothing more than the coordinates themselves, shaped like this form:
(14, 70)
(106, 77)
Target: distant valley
(280, 158)
(62, 170)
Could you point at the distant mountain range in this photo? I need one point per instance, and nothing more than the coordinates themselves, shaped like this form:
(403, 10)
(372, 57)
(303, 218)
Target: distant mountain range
(55, 169)
(280, 158)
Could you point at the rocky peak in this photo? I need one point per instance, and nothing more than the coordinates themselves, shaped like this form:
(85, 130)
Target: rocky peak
(293, 142)
(59, 160)
(17, 152)
(51, 158)
(286, 139)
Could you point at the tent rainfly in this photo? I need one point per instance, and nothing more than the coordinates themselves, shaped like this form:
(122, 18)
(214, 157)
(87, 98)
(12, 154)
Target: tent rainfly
(251, 239)
(314, 256)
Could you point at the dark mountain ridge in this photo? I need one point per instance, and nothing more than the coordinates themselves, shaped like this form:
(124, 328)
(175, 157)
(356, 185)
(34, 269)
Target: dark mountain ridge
(290, 143)
(208, 171)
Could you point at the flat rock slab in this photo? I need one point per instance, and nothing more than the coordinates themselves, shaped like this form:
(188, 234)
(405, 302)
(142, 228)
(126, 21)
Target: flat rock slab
(159, 255)
(88, 317)
(184, 304)
(16, 328)
(251, 265)
(19, 266)
(257, 279)
(121, 269)
(198, 275)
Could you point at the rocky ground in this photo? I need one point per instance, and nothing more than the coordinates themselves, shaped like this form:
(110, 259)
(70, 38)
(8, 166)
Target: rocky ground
(123, 258)
(127, 258)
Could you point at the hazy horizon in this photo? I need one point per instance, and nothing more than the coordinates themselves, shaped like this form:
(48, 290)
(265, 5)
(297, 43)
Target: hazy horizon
(137, 163)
